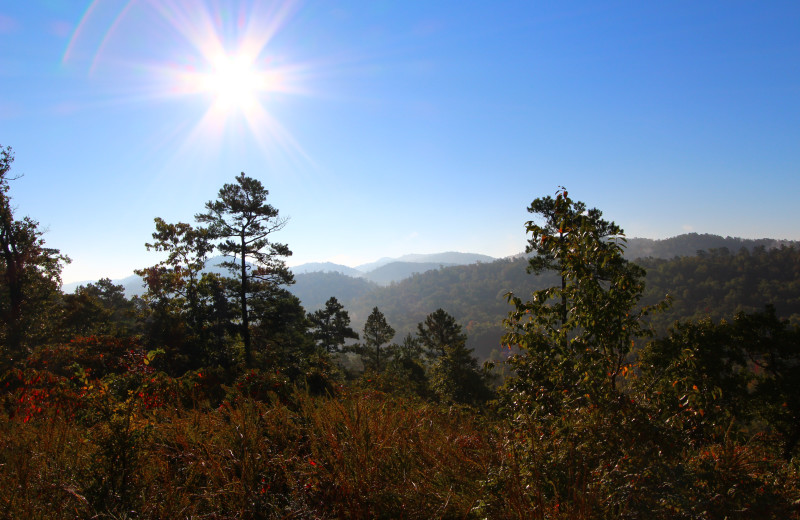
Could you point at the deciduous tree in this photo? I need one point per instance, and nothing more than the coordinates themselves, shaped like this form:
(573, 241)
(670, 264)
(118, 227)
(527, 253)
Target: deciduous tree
(550, 240)
(30, 273)
(574, 339)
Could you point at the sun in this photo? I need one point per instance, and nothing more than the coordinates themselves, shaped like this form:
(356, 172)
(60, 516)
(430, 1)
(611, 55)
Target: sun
(225, 58)
(235, 82)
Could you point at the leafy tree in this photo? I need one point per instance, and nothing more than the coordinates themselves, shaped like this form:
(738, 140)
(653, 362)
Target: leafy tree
(242, 221)
(99, 308)
(574, 340)
(696, 378)
(773, 347)
(178, 276)
(330, 327)
(377, 332)
(30, 274)
(550, 242)
(726, 379)
(180, 296)
(566, 401)
(455, 375)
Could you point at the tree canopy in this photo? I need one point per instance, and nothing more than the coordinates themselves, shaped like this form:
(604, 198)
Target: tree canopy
(241, 221)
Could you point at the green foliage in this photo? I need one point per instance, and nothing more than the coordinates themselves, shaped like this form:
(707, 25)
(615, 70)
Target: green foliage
(174, 285)
(727, 379)
(241, 221)
(406, 373)
(30, 274)
(712, 285)
(99, 308)
(439, 332)
(139, 441)
(330, 327)
(377, 332)
(696, 378)
(97, 421)
(573, 340)
(719, 284)
(454, 373)
(571, 344)
(279, 330)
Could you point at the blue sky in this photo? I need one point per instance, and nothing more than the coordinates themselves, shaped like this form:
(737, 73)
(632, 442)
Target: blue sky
(390, 127)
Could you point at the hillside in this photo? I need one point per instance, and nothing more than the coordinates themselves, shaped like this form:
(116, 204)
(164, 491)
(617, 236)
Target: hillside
(397, 271)
(314, 289)
(325, 267)
(716, 285)
(690, 243)
(448, 258)
(732, 275)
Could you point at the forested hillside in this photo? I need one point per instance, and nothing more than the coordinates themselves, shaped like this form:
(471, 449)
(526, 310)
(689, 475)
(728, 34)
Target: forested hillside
(690, 244)
(216, 394)
(715, 283)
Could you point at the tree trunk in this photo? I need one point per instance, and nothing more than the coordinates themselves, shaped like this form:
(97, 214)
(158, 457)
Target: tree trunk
(13, 279)
(248, 358)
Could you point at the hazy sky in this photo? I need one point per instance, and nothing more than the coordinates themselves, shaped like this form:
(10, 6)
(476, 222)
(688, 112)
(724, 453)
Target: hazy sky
(391, 127)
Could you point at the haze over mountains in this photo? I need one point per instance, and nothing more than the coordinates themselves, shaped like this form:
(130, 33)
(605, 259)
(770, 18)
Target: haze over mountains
(387, 270)
(381, 272)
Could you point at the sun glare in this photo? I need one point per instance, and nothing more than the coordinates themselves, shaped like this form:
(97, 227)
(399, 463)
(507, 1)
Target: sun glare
(238, 73)
(234, 81)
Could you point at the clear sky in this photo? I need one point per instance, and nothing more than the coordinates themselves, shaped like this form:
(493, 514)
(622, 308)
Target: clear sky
(390, 127)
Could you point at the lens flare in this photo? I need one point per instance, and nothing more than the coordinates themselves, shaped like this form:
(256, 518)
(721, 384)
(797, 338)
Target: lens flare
(181, 48)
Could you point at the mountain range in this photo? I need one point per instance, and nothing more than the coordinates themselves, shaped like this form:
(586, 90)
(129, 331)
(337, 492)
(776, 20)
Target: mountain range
(381, 272)
(706, 274)
(386, 270)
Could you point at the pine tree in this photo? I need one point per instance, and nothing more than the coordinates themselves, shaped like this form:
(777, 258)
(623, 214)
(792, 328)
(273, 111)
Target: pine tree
(330, 327)
(241, 220)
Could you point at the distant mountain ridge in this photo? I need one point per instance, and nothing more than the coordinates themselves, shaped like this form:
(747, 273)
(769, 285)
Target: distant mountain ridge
(134, 284)
(387, 270)
(326, 267)
(450, 258)
(398, 271)
(383, 272)
(689, 244)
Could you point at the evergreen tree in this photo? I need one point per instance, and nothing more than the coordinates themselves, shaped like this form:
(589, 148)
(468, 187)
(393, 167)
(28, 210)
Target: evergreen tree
(242, 221)
(377, 332)
(330, 327)
(407, 366)
(98, 308)
(280, 331)
(455, 374)
(439, 332)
